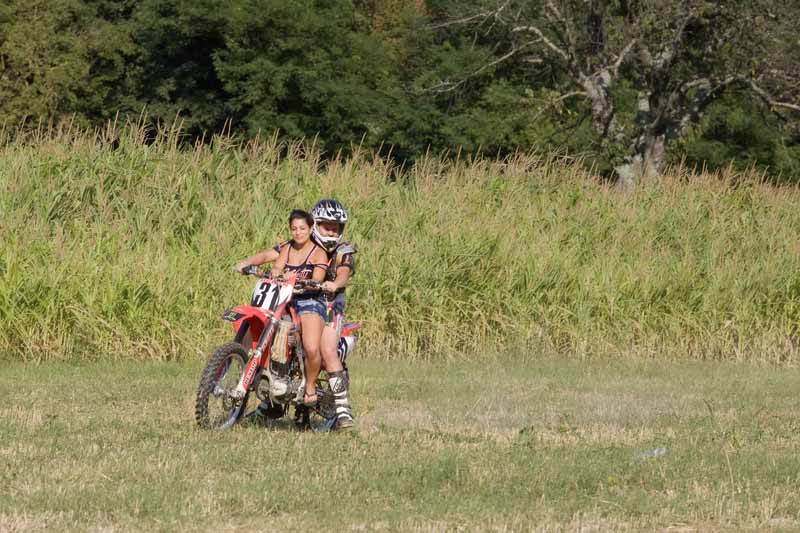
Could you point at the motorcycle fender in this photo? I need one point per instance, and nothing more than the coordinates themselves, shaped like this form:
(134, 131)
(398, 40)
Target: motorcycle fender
(350, 328)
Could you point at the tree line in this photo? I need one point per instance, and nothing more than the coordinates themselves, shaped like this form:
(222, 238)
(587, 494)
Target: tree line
(630, 85)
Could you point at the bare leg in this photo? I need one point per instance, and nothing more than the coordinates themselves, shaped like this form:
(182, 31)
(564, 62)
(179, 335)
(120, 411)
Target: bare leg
(328, 345)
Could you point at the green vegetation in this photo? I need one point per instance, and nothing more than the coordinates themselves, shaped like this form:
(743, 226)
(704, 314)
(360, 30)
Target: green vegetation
(116, 248)
(507, 443)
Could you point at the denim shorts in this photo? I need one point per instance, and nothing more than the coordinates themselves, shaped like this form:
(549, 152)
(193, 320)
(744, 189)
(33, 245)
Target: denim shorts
(302, 306)
(319, 306)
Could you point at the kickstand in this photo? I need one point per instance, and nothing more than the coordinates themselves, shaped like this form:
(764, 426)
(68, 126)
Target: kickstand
(301, 417)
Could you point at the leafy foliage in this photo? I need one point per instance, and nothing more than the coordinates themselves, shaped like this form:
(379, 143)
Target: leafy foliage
(302, 68)
(406, 77)
(58, 58)
(739, 132)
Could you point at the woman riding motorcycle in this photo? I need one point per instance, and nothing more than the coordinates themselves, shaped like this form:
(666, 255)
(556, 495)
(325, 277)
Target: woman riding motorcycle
(305, 305)
(329, 218)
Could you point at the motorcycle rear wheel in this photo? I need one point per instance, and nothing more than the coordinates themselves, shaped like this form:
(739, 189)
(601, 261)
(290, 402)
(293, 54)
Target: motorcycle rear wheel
(214, 407)
(322, 416)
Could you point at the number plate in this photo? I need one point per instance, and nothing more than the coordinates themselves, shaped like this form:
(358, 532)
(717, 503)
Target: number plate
(270, 295)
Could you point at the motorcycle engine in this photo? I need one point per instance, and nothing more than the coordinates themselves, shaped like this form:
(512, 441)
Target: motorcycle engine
(281, 381)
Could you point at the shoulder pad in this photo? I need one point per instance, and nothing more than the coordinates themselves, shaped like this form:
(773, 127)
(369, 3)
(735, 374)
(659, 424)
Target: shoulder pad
(346, 248)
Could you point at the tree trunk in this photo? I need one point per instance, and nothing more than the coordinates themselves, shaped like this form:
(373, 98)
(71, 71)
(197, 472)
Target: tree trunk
(645, 163)
(598, 91)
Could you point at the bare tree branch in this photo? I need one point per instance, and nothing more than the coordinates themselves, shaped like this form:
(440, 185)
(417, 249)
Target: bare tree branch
(768, 98)
(533, 60)
(707, 90)
(665, 58)
(621, 57)
(498, 16)
(569, 30)
(550, 44)
(484, 15)
(554, 101)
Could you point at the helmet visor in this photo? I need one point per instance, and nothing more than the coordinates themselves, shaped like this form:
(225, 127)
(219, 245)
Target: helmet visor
(329, 228)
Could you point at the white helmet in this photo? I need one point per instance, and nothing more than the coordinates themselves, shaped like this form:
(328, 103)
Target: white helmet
(328, 211)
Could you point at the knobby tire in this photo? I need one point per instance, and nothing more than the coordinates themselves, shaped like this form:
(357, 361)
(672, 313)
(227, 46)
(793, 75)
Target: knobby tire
(230, 353)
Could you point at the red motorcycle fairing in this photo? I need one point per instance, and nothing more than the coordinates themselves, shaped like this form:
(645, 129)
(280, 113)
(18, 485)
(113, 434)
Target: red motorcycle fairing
(256, 320)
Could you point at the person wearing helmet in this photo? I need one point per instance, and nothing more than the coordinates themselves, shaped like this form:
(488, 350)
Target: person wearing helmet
(330, 218)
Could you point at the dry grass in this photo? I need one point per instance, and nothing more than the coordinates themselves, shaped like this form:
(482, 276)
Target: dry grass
(116, 248)
(504, 444)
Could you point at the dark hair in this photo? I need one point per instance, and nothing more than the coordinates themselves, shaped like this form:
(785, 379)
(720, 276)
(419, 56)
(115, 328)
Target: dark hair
(302, 215)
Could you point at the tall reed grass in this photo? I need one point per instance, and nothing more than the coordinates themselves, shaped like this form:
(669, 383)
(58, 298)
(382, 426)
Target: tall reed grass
(118, 243)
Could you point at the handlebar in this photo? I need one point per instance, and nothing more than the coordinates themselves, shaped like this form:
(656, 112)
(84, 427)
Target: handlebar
(308, 284)
(252, 270)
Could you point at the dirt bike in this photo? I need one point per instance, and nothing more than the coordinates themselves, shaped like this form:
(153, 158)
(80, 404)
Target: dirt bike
(265, 358)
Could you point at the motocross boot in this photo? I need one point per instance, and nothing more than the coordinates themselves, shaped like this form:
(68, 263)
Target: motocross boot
(344, 415)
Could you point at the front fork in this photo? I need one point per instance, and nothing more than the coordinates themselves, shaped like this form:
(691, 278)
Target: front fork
(254, 363)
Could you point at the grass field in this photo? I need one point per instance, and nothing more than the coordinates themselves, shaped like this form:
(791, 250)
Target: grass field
(504, 443)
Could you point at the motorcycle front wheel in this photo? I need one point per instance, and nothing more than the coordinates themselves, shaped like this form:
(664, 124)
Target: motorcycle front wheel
(214, 406)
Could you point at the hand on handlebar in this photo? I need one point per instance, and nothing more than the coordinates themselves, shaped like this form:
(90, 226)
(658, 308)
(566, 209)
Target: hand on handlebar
(251, 270)
(246, 269)
(307, 284)
(329, 286)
